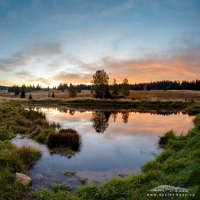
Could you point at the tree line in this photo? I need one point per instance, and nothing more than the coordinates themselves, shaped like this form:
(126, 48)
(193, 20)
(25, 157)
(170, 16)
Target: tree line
(100, 87)
(167, 85)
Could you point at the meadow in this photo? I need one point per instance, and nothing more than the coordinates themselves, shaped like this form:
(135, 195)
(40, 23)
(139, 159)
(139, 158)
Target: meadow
(151, 96)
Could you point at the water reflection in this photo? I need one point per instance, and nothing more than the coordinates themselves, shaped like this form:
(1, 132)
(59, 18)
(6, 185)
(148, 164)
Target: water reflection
(100, 121)
(129, 142)
(125, 116)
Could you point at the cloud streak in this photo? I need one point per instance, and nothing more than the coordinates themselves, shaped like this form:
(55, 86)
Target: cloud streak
(173, 65)
(23, 59)
(114, 10)
(67, 77)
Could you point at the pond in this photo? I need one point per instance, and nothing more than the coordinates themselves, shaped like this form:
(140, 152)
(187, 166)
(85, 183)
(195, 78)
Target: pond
(114, 144)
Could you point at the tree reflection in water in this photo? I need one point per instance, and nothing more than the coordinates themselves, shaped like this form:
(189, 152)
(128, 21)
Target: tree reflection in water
(100, 120)
(114, 115)
(71, 112)
(125, 116)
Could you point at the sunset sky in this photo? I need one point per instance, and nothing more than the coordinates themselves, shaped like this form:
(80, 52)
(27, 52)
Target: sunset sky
(67, 41)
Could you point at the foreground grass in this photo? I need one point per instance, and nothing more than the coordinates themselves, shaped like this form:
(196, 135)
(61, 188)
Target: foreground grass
(13, 120)
(12, 160)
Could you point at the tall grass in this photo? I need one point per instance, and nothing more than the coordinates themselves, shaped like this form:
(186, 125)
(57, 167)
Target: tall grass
(169, 136)
(12, 160)
(68, 138)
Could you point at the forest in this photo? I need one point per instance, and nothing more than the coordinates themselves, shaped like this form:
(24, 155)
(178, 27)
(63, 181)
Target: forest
(157, 85)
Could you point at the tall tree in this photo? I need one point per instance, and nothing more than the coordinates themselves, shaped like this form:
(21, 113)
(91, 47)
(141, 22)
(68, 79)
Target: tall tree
(125, 89)
(115, 88)
(72, 90)
(17, 90)
(100, 83)
(23, 92)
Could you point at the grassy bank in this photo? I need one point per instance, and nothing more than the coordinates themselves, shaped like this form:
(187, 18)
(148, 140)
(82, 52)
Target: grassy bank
(13, 120)
(190, 108)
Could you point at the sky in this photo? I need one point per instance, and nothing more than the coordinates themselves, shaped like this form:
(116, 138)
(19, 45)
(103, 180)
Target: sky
(49, 42)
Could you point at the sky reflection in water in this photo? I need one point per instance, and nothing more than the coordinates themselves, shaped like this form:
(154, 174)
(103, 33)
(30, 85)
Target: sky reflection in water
(116, 149)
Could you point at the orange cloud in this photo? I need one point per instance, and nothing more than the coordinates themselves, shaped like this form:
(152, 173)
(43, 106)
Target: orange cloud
(182, 66)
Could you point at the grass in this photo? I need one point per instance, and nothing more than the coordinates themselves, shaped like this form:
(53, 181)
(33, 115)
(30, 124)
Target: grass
(12, 160)
(70, 173)
(164, 140)
(74, 173)
(14, 120)
(82, 180)
(153, 95)
(65, 138)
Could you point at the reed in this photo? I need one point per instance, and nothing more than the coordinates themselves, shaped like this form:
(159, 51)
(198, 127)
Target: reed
(68, 138)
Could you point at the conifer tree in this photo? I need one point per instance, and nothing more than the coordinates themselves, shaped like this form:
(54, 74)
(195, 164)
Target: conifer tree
(125, 88)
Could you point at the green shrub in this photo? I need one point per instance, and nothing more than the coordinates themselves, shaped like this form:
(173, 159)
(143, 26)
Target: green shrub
(164, 140)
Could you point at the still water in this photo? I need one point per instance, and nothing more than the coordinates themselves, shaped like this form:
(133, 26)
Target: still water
(113, 144)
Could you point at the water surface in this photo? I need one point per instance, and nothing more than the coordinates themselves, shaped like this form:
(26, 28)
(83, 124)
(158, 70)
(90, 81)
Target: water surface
(114, 143)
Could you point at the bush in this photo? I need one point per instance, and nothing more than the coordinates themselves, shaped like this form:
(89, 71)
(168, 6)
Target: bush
(65, 138)
(30, 96)
(53, 95)
(164, 140)
(23, 94)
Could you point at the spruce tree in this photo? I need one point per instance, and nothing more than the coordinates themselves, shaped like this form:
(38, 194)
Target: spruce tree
(72, 91)
(125, 88)
(115, 88)
(17, 91)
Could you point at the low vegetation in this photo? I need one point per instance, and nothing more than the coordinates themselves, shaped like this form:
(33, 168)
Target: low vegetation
(70, 173)
(68, 138)
(12, 160)
(169, 136)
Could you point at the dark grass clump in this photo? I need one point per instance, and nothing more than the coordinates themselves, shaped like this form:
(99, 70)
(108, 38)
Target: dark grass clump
(193, 109)
(164, 140)
(68, 138)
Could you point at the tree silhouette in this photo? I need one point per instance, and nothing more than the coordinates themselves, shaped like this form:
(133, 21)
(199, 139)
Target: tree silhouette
(23, 93)
(30, 96)
(72, 91)
(100, 121)
(115, 88)
(17, 91)
(100, 83)
(125, 88)
(107, 94)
